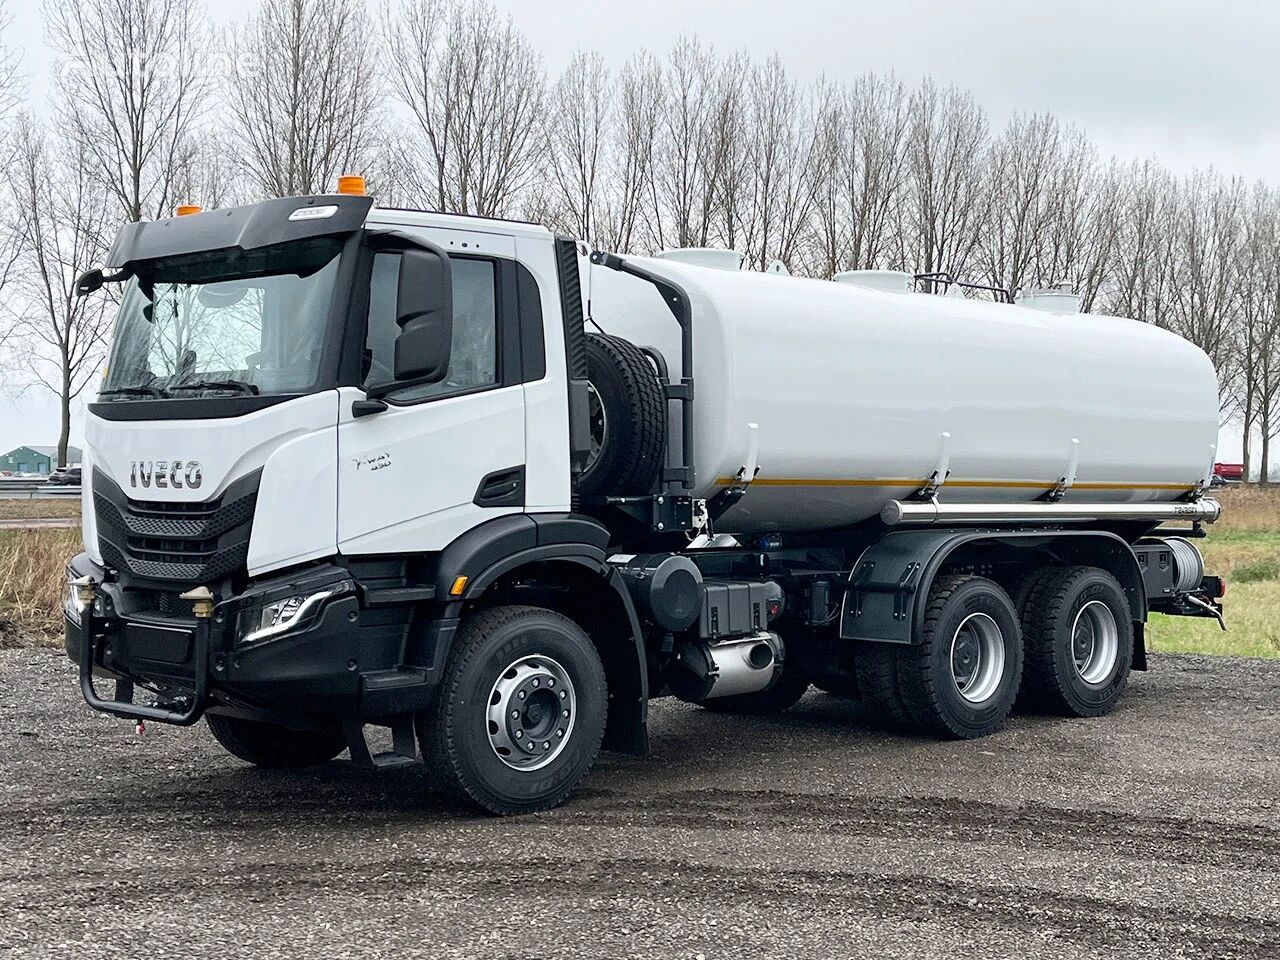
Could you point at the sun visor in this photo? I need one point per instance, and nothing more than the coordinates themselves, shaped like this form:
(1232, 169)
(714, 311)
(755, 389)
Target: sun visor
(245, 228)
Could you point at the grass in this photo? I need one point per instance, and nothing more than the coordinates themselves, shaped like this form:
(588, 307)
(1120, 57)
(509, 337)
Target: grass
(1244, 547)
(32, 577)
(43, 509)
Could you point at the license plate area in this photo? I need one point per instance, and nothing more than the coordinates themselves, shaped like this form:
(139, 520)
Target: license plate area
(158, 643)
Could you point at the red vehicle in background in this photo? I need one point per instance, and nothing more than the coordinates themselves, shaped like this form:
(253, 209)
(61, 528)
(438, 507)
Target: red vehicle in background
(1224, 473)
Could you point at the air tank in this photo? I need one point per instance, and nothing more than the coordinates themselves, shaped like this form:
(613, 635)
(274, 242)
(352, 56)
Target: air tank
(849, 395)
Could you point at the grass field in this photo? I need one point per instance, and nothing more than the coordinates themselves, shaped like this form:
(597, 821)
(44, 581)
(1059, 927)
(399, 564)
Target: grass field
(1244, 547)
(26, 509)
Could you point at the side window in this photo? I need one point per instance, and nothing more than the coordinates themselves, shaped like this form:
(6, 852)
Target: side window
(473, 359)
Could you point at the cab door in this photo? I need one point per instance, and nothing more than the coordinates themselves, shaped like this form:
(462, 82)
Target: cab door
(442, 457)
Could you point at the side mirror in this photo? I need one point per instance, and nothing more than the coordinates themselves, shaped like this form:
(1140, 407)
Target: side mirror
(424, 313)
(89, 281)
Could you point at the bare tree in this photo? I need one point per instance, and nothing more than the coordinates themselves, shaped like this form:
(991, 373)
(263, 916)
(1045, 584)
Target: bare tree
(577, 128)
(131, 86)
(782, 149)
(303, 94)
(858, 172)
(631, 152)
(1206, 242)
(1022, 164)
(475, 90)
(942, 210)
(61, 210)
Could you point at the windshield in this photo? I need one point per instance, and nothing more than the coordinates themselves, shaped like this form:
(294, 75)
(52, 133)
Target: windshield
(224, 322)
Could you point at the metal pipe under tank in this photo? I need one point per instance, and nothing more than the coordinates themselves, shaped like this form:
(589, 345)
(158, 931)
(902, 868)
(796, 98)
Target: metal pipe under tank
(897, 512)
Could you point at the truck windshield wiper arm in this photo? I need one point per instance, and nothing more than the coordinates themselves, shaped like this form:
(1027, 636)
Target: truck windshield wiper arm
(132, 392)
(240, 386)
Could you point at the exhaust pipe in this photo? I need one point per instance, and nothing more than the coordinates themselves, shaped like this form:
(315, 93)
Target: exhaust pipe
(896, 512)
(743, 665)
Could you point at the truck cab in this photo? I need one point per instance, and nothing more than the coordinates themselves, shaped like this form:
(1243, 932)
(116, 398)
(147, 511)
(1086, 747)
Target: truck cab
(353, 466)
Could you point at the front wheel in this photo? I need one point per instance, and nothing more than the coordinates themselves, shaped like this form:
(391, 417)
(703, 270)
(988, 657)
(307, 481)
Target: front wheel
(271, 745)
(520, 712)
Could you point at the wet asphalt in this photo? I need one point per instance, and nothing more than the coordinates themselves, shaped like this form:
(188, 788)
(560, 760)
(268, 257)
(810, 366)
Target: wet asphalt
(1149, 833)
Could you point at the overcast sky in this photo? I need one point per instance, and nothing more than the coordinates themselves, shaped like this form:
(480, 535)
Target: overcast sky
(1192, 83)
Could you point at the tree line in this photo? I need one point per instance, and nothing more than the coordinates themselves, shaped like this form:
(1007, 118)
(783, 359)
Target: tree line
(445, 105)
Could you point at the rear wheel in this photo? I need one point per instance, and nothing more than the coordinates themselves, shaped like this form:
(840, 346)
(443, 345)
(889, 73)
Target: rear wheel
(960, 680)
(1079, 643)
(520, 713)
(271, 745)
(875, 667)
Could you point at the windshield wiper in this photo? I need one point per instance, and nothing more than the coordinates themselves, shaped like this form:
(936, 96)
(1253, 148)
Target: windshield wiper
(239, 386)
(132, 392)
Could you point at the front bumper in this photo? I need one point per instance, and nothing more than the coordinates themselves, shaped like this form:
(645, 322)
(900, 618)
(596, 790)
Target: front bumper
(342, 662)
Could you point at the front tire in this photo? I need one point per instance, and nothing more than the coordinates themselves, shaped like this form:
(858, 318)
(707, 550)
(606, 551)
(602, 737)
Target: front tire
(273, 746)
(1079, 640)
(520, 713)
(961, 679)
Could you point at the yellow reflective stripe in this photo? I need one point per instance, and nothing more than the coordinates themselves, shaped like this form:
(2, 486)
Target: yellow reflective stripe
(920, 482)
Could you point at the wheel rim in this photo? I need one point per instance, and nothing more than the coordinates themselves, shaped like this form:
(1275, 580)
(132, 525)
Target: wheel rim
(1095, 642)
(977, 657)
(532, 709)
(599, 426)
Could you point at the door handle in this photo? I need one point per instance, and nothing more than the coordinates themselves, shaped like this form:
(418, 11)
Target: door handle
(502, 488)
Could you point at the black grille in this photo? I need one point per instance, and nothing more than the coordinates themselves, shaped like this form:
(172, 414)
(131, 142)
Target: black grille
(195, 542)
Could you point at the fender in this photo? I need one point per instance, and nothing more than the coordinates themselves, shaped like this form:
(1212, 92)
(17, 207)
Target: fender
(487, 551)
(889, 585)
(492, 549)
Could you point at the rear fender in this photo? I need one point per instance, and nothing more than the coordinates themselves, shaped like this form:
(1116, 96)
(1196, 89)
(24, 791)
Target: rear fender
(889, 584)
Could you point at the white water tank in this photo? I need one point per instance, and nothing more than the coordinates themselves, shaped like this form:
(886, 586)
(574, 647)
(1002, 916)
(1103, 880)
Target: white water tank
(891, 281)
(716, 258)
(849, 395)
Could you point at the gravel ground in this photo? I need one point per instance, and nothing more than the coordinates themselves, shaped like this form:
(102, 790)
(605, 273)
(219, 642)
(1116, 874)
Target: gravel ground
(1149, 833)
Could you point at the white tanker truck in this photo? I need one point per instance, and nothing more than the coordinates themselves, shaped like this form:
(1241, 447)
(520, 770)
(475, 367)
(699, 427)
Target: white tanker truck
(354, 466)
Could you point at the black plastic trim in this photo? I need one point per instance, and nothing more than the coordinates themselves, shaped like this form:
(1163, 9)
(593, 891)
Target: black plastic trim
(502, 488)
(575, 346)
(239, 228)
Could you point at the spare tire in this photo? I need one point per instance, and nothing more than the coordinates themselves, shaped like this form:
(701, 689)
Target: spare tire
(628, 413)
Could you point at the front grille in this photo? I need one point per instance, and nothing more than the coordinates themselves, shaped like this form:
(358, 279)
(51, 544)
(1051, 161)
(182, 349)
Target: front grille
(194, 542)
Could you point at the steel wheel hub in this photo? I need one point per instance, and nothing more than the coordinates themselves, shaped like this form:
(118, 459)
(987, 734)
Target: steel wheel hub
(977, 657)
(531, 712)
(1095, 643)
(599, 425)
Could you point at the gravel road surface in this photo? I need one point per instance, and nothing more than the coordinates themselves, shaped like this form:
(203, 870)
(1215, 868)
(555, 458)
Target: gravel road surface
(1152, 832)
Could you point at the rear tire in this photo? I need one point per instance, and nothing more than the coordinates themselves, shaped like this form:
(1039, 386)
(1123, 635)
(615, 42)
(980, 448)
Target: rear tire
(628, 419)
(510, 678)
(961, 679)
(875, 667)
(273, 746)
(1079, 643)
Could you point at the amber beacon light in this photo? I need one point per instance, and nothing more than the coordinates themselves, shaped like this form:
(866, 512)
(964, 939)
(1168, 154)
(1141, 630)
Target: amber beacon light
(351, 185)
(187, 209)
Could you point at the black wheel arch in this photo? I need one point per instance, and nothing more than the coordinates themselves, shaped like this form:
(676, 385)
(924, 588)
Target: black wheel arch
(552, 556)
(898, 571)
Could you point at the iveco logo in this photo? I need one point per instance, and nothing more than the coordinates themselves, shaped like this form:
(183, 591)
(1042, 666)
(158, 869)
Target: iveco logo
(165, 473)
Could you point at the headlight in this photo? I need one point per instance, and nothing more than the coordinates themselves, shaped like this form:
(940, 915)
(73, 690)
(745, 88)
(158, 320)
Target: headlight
(71, 603)
(280, 616)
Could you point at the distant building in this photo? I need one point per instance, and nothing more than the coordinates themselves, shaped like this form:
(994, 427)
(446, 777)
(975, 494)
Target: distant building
(41, 460)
